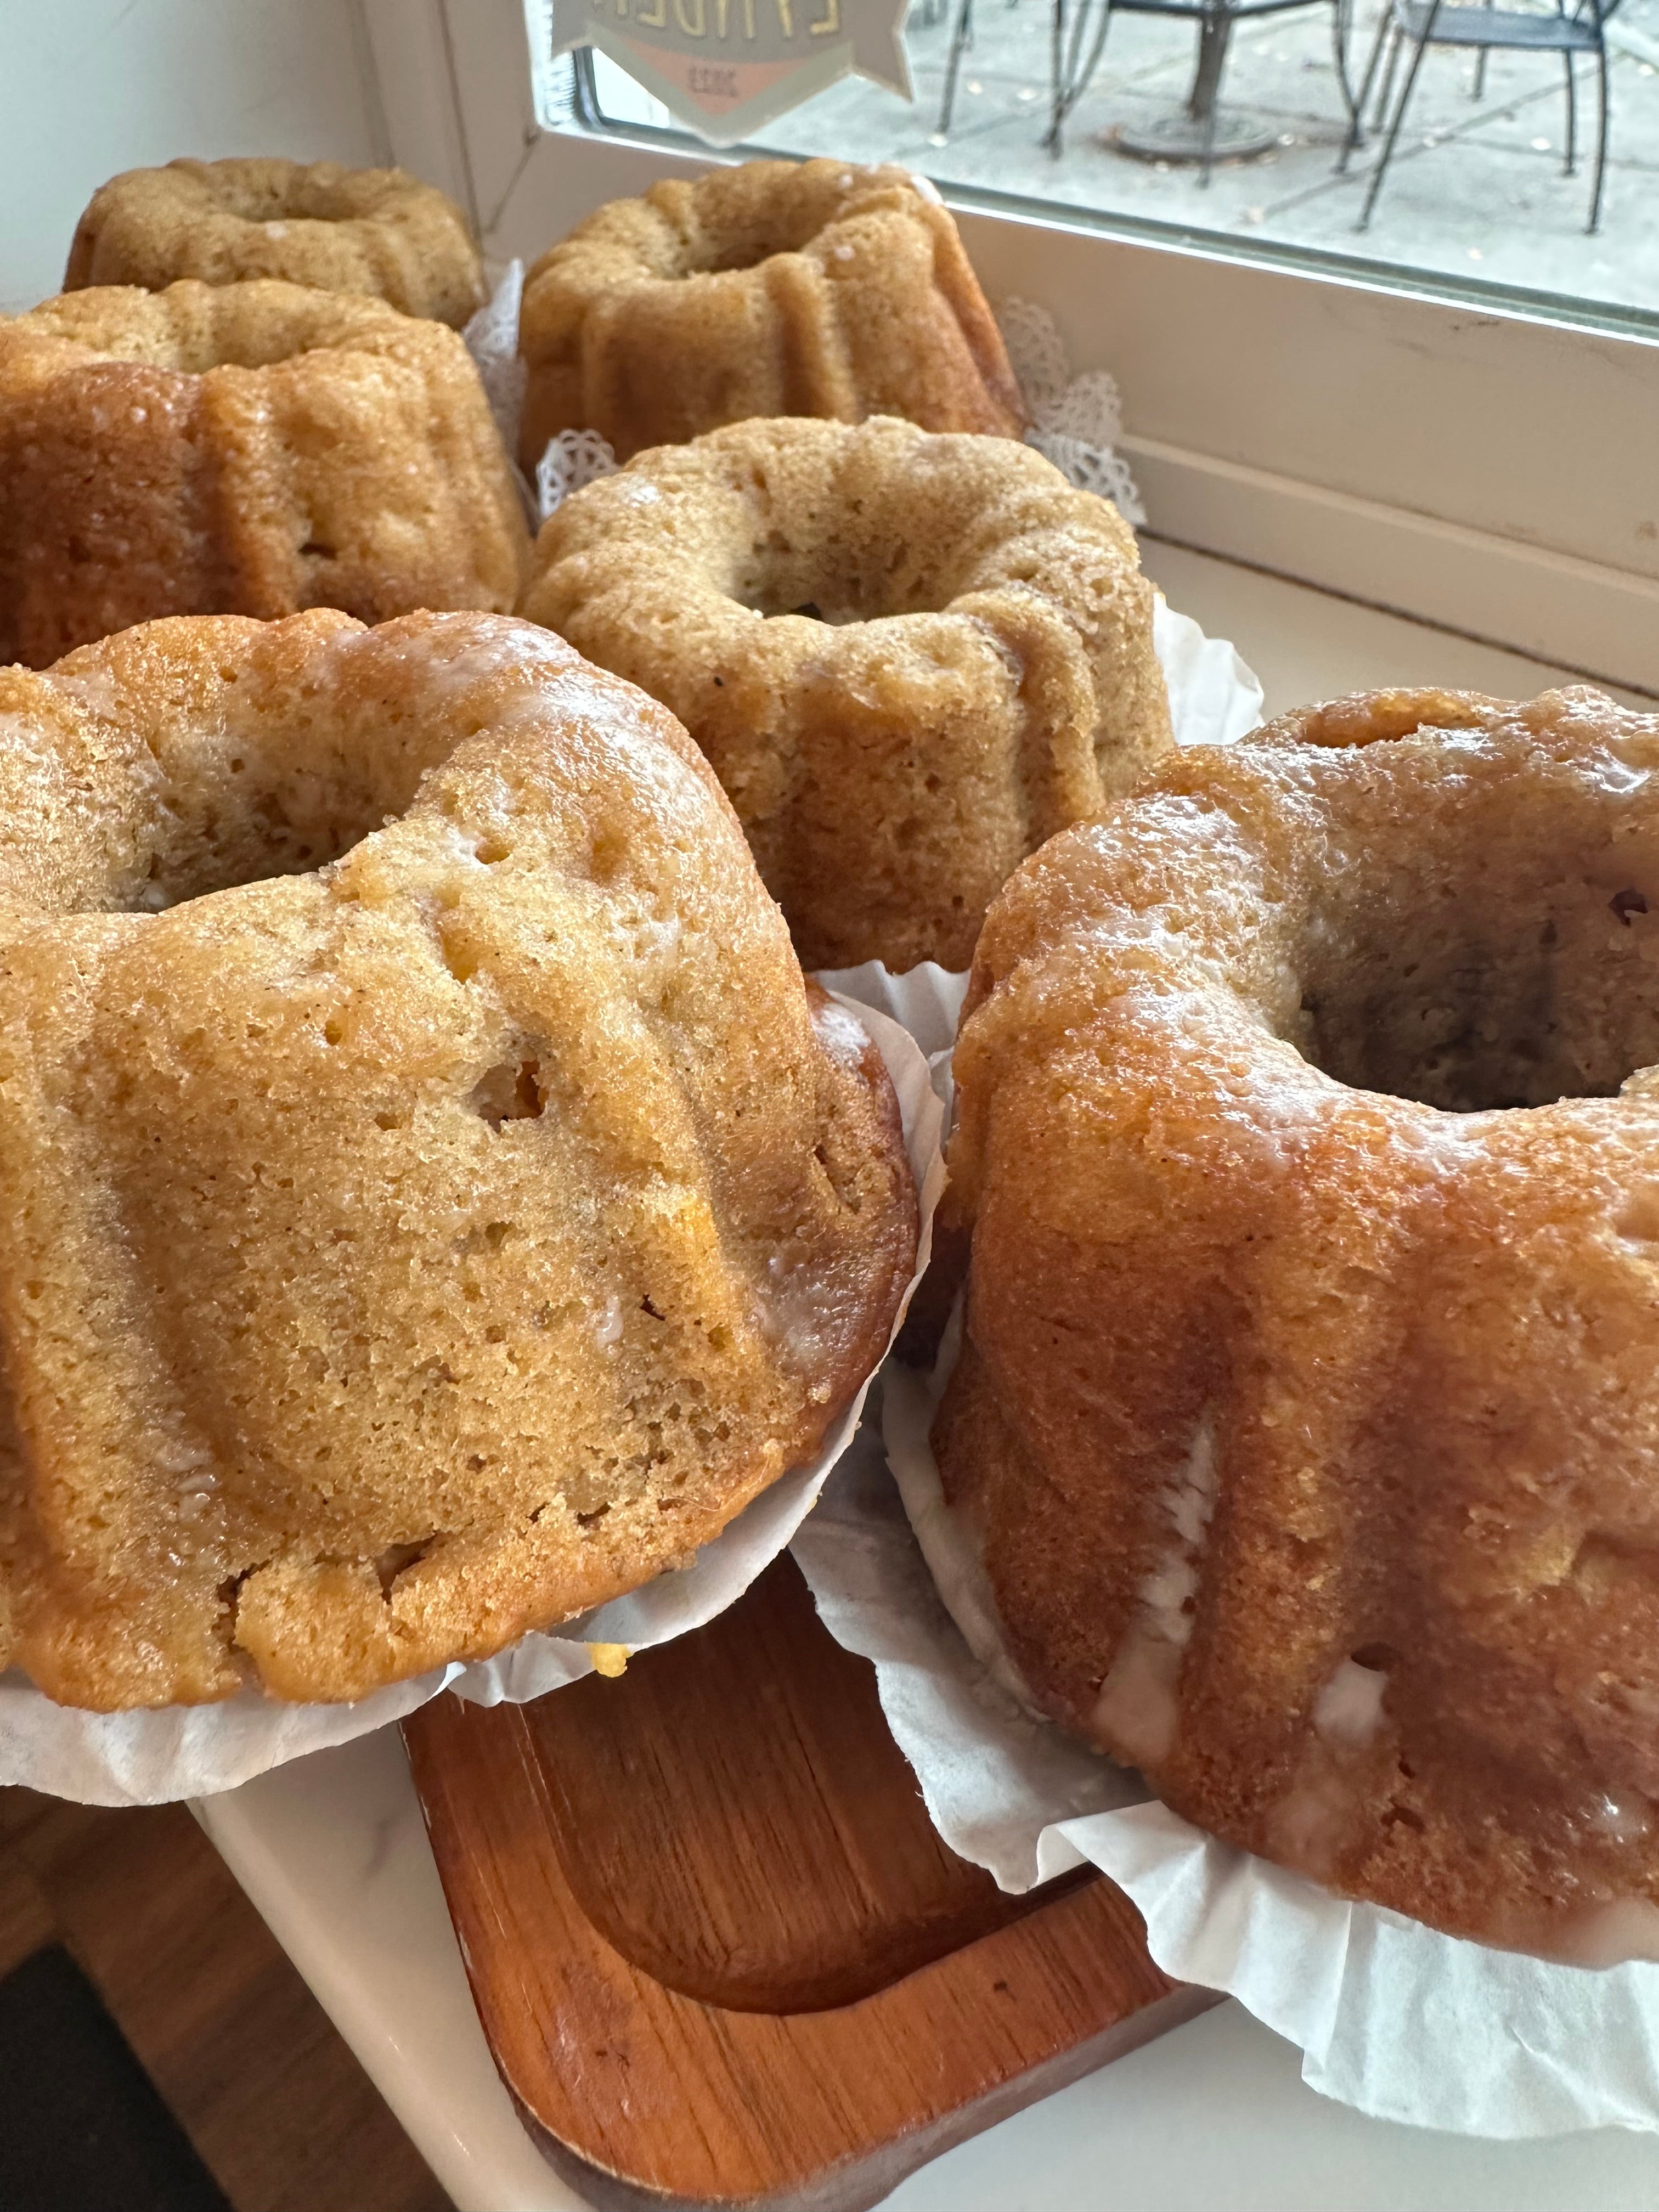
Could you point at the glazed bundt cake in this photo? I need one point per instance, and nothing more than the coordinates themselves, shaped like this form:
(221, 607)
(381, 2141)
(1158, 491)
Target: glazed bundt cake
(413, 1231)
(777, 288)
(376, 231)
(244, 449)
(910, 657)
(1308, 1407)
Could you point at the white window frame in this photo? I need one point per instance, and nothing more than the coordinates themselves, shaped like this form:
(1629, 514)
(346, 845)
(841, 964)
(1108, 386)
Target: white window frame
(1490, 472)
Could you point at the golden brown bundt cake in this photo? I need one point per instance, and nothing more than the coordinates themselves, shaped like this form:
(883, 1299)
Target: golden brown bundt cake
(377, 231)
(430, 1202)
(1308, 1407)
(777, 288)
(911, 658)
(245, 449)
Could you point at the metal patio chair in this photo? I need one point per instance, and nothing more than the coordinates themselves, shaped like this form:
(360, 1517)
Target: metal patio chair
(962, 37)
(1420, 24)
(1078, 31)
(1076, 55)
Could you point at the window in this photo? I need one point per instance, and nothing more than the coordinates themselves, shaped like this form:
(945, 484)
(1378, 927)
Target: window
(1474, 457)
(1474, 202)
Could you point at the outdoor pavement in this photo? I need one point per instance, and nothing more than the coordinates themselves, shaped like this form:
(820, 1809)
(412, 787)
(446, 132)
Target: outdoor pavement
(1475, 187)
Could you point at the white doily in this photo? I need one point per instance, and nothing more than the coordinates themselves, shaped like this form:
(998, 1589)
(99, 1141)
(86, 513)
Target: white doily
(573, 458)
(492, 339)
(1076, 421)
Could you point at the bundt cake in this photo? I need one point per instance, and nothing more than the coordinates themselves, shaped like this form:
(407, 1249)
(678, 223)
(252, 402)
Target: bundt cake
(431, 1201)
(1308, 1407)
(911, 658)
(777, 288)
(378, 231)
(241, 449)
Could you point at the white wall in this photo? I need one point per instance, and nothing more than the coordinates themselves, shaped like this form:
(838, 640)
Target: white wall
(91, 87)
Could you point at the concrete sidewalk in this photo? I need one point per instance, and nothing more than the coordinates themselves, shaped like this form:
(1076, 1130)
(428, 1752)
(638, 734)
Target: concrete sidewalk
(1475, 188)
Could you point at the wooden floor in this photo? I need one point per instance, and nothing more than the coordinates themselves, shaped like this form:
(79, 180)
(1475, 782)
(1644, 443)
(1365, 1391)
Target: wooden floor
(274, 2101)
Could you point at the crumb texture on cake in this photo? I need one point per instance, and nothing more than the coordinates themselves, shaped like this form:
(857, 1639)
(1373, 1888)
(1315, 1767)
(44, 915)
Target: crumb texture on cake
(909, 656)
(376, 231)
(253, 448)
(431, 1200)
(1308, 1143)
(773, 288)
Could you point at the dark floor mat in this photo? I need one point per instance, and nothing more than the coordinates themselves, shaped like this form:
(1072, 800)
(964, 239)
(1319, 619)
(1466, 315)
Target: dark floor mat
(82, 2128)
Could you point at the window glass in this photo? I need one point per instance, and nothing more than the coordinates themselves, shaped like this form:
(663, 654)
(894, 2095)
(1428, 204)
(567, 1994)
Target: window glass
(1473, 198)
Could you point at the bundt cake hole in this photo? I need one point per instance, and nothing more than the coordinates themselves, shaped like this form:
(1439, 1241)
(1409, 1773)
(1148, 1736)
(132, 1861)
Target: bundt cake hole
(835, 573)
(240, 190)
(1443, 999)
(253, 819)
(1470, 946)
(787, 224)
(1377, 717)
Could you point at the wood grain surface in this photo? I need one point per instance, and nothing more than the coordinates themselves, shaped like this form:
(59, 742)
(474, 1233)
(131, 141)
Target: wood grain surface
(277, 2107)
(719, 1952)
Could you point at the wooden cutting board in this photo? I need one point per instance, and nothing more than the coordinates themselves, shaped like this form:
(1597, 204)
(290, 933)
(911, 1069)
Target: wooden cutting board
(721, 1957)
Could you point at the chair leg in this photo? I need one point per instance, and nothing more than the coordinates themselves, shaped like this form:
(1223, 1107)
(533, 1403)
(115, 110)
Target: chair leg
(1341, 24)
(1081, 76)
(1385, 91)
(1480, 60)
(1215, 33)
(1595, 222)
(1406, 91)
(1571, 161)
(960, 37)
(1207, 168)
(1057, 68)
(1074, 50)
(1357, 108)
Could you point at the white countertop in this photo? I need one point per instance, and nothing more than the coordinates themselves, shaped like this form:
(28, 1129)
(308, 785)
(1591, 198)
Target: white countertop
(1212, 2117)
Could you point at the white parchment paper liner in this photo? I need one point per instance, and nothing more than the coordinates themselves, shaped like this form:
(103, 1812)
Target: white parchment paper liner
(1391, 2017)
(194, 1751)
